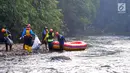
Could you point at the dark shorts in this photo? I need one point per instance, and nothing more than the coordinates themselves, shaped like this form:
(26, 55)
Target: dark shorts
(50, 45)
(28, 41)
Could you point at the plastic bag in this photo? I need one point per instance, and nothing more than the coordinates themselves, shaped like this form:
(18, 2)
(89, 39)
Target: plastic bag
(9, 41)
(36, 44)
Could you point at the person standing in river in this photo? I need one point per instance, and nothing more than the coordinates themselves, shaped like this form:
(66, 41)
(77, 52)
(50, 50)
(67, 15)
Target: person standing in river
(50, 39)
(44, 36)
(27, 34)
(5, 37)
(61, 40)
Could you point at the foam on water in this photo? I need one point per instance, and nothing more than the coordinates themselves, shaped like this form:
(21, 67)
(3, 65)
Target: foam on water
(106, 55)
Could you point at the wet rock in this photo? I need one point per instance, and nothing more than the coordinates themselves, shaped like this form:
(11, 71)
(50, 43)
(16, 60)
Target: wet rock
(108, 66)
(9, 59)
(20, 60)
(60, 58)
(115, 72)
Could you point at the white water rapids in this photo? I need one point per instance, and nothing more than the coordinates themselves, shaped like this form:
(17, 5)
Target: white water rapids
(105, 54)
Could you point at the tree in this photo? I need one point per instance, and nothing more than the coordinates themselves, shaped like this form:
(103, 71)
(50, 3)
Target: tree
(78, 13)
(15, 14)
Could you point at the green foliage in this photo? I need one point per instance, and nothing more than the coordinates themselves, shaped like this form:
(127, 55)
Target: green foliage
(78, 13)
(15, 14)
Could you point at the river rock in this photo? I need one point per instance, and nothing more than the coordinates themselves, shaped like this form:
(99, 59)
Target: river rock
(60, 58)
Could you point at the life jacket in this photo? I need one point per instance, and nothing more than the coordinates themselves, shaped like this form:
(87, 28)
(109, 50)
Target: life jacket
(6, 34)
(50, 37)
(28, 32)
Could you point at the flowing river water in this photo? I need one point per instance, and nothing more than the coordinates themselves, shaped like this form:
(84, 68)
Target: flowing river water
(105, 54)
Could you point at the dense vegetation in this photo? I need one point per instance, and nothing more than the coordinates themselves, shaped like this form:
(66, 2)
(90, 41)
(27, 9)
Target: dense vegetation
(15, 14)
(78, 13)
(72, 15)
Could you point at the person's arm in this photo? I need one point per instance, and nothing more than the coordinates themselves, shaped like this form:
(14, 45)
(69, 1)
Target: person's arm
(23, 33)
(53, 35)
(32, 33)
(43, 34)
(63, 38)
(7, 31)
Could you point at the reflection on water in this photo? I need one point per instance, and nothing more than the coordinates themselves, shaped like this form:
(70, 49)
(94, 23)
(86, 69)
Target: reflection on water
(105, 54)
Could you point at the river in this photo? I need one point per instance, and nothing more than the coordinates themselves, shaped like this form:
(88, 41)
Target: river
(105, 54)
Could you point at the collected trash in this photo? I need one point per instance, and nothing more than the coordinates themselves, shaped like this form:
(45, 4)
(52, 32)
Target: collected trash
(9, 41)
(36, 44)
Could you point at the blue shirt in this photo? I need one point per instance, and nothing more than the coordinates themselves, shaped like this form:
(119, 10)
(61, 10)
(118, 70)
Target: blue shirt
(61, 39)
(44, 33)
(24, 32)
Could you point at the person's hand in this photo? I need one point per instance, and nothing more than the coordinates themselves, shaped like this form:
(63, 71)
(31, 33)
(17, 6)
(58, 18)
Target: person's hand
(20, 38)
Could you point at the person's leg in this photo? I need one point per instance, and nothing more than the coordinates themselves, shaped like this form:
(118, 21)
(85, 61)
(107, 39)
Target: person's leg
(61, 47)
(10, 47)
(29, 41)
(25, 42)
(45, 45)
(6, 45)
(30, 44)
(50, 46)
(45, 42)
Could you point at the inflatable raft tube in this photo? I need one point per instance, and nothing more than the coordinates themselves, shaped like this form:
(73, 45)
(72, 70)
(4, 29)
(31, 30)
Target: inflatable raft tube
(71, 46)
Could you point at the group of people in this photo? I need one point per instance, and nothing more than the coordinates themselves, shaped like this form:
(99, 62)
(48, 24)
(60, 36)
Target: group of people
(27, 34)
(4, 36)
(48, 38)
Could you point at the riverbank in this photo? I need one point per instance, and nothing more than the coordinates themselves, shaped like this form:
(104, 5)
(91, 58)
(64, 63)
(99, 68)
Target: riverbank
(17, 50)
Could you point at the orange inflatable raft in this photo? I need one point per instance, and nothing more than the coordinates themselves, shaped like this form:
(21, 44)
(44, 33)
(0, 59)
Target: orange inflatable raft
(71, 46)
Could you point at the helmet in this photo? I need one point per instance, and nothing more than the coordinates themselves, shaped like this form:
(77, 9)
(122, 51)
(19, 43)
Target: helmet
(51, 30)
(57, 33)
(3, 30)
(28, 25)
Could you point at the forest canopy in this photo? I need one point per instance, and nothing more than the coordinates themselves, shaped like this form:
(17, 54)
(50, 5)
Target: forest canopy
(68, 16)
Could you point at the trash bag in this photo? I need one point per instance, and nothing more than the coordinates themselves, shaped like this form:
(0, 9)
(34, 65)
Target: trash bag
(36, 44)
(9, 41)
